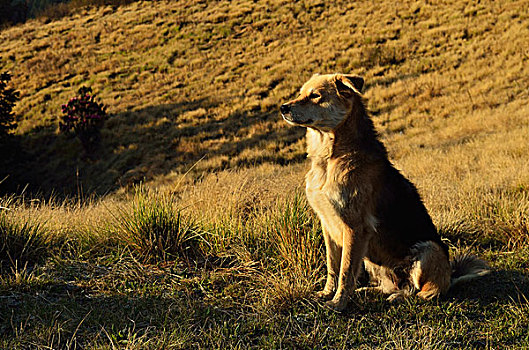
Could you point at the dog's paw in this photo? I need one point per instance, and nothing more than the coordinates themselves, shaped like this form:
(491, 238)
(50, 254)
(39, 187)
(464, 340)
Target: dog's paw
(396, 297)
(337, 304)
(367, 289)
(324, 294)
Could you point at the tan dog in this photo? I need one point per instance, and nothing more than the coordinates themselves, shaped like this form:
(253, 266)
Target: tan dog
(369, 212)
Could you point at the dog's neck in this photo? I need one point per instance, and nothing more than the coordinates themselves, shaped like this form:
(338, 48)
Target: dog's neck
(354, 140)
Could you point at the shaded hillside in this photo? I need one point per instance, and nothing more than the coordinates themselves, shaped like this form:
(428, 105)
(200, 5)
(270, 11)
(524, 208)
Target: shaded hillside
(195, 81)
(13, 12)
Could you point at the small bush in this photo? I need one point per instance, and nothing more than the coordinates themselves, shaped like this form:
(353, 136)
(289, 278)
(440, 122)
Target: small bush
(158, 232)
(85, 117)
(379, 55)
(8, 98)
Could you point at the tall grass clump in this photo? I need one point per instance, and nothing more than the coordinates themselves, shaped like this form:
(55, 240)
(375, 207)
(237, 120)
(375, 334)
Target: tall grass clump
(156, 231)
(505, 215)
(296, 238)
(295, 235)
(498, 218)
(21, 242)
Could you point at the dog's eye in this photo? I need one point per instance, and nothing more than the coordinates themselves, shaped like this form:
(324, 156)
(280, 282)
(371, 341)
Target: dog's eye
(314, 96)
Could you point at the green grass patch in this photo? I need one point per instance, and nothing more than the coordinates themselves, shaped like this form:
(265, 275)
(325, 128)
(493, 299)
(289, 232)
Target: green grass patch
(156, 231)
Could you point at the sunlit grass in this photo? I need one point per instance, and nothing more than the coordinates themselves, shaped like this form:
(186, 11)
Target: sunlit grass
(208, 87)
(218, 248)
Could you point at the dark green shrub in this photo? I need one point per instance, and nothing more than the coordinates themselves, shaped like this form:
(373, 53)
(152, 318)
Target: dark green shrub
(85, 117)
(8, 98)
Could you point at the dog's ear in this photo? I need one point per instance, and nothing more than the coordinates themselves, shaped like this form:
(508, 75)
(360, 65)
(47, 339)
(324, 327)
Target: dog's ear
(357, 81)
(348, 84)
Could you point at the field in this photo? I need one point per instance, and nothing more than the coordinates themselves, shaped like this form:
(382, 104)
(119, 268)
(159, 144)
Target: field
(179, 233)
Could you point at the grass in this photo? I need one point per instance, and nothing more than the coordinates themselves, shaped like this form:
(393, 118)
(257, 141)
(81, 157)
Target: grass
(156, 231)
(22, 240)
(218, 248)
(182, 87)
(251, 286)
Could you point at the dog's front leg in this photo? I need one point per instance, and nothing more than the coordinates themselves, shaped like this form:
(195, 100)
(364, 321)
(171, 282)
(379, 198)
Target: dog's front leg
(334, 255)
(353, 251)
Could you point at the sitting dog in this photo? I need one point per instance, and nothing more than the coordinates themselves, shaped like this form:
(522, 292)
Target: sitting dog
(369, 211)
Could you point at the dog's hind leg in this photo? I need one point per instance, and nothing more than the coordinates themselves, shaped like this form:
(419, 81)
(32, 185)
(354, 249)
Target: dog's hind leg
(382, 278)
(430, 273)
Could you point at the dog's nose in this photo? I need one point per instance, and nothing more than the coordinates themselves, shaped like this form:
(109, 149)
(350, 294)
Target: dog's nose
(284, 109)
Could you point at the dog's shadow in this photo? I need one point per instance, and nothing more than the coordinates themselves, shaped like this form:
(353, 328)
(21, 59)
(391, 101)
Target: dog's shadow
(497, 286)
(500, 287)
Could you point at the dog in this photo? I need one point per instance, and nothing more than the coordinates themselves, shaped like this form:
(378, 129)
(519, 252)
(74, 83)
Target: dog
(369, 212)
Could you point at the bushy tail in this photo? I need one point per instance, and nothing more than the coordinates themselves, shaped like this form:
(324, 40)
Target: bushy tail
(466, 267)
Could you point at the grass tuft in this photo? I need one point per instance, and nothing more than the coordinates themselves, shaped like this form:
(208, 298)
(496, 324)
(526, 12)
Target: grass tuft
(157, 231)
(21, 242)
(296, 238)
(296, 235)
(507, 213)
(19, 278)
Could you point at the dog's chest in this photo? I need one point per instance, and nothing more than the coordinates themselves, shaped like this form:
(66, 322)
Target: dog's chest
(326, 192)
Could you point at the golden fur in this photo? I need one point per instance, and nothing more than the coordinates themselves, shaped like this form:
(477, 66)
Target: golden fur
(369, 212)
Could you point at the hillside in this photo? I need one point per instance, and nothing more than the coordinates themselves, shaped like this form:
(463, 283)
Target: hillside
(186, 81)
(217, 247)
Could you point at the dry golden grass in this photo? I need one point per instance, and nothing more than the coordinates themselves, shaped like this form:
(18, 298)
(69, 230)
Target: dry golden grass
(194, 89)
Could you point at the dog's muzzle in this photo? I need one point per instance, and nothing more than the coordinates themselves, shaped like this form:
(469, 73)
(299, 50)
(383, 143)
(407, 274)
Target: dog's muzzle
(286, 113)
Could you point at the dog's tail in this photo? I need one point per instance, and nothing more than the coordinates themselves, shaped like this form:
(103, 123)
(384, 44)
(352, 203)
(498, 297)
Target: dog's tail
(466, 267)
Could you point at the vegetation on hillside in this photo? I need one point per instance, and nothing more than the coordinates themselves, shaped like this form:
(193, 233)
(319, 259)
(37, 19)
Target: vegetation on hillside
(8, 98)
(200, 255)
(232, 261)
(85, 117)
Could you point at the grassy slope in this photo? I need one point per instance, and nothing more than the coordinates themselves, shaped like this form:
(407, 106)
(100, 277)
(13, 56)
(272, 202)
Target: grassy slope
(447, 86)
(187, 80)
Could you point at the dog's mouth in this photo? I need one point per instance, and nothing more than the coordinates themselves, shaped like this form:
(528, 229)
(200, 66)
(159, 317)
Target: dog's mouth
(289, 118)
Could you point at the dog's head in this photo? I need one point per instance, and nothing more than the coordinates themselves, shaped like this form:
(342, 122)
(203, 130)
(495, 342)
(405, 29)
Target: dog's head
(324, 101)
